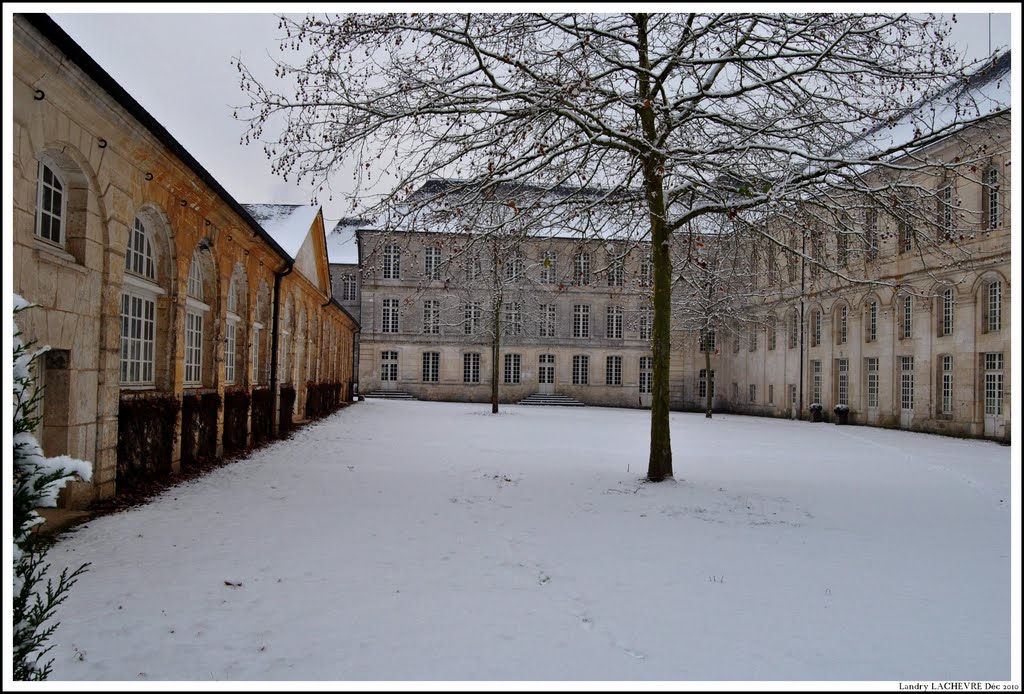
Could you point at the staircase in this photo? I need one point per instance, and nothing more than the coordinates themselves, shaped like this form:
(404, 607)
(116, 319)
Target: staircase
(550, 399)
(389, 395)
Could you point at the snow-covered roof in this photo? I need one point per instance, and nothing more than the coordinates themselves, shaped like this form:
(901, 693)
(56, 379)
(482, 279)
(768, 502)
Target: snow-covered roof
(341, 241)
(985, 91)
(289, 225)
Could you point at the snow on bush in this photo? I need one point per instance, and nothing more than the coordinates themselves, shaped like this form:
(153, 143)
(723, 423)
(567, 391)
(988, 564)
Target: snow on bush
(37, 482)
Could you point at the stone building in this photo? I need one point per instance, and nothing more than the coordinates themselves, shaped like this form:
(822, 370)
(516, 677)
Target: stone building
(920, 339)
(181, 324)
(573, 317)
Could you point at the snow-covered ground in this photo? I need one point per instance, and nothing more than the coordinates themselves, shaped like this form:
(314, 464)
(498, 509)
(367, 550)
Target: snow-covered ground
(435, 541)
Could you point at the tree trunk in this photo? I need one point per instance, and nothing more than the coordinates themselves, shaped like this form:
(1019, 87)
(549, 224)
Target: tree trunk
(495, 350)
(659, 465)
(709, 390)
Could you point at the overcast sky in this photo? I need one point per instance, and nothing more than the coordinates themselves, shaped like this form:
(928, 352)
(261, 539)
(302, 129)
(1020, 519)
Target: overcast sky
(178, 66)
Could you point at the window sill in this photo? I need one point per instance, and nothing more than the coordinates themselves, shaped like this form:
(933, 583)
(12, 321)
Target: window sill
(58, 256)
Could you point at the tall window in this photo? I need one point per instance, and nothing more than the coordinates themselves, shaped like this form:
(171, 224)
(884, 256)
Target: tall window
(195, 313)
(706, 340)
(471, 368)
(471, 325)
(614, 323)
(254, 352)
(815, 328)
(548, 268)
(50, 206)
(842, 381)
(392, 262)
(871, 233)
(389, 365)
(513, 318)
(994, 383)
(994, 310)
(193, 348)
(431, 367)
(580, 369)
(547, 320)
(616, 273)
(946, 380)
(945, 210)
(946, 319)
(842, 248)
(843, 325)
(905, 232)
(871, 321)
(646, 323)
(816, 381)
(581, 269)
(514, 266)
(646, 273)
(432, 263)
(753, 392)
(473, 266)
(613, 371)
(908, 317)
(646, 369)
(907, 383)
(771, 393)
(138, 309)
(348, 287)
(772, 329)
(432, 317)
(871, 369)
(581, 320)
(231, 333)
(702, 384)
(990, 195)
(513, 368)
(389, 316)
(794, 328)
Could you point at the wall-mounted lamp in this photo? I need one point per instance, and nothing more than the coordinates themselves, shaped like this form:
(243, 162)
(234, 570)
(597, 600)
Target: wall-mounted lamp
(39, 95)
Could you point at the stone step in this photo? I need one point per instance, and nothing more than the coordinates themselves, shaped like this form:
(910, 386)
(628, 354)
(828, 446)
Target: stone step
(551, 399)
(389, 395)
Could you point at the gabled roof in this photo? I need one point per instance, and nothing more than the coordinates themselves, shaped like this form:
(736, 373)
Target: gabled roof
(289, 225)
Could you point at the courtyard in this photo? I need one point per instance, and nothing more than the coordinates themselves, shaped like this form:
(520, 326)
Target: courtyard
(435, 541)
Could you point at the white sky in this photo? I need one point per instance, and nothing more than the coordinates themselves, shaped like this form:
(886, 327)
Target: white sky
(178, 66)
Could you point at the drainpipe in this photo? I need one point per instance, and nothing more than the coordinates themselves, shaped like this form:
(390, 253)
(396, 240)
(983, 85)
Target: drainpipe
(275, 396)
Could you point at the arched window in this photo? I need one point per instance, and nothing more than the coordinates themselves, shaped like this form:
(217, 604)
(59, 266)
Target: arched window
(139, 309)
(50, 205)
(993, 306)
(842, 324)
(815, 327)
(195, 316)
(905, 307)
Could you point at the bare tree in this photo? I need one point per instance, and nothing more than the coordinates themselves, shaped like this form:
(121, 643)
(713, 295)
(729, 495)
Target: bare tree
(715, 286)
(673, 116)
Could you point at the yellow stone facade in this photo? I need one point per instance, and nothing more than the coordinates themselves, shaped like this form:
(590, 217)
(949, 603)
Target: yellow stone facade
(116, 167)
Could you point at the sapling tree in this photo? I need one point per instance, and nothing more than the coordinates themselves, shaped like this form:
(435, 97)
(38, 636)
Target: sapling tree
(671, 116)
(37, 482)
